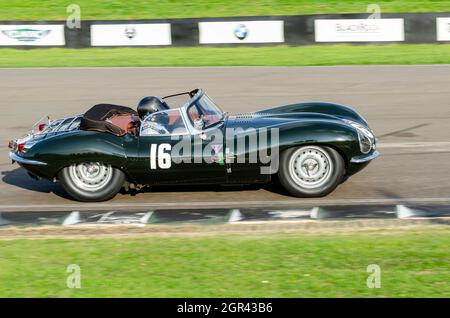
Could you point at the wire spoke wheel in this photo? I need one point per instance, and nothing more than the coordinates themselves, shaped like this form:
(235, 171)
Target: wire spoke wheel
(310, 167)
(91, 181)
(92, 176)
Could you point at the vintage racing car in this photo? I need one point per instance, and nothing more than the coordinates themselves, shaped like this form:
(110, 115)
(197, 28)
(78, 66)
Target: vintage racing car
(309, 147)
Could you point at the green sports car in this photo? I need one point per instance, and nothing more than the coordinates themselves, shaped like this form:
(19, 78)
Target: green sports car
(309, 147)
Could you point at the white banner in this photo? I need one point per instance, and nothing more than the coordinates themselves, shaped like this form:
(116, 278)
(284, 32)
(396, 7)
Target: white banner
(443, 29)
(241, 32)
(359, 30)
(131, 34)
(32, 35)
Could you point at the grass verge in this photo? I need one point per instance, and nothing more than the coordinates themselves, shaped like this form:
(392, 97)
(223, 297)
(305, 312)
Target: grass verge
(241, 56)
(413, 264)
(151, 9)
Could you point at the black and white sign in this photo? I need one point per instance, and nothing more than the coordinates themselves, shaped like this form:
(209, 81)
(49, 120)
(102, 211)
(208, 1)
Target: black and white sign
(241, 32)
(32, 35)
(131, 34)
(443, 29)
(359, 30)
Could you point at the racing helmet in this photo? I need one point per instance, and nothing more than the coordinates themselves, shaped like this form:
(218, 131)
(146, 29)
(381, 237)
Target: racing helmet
(149, 105)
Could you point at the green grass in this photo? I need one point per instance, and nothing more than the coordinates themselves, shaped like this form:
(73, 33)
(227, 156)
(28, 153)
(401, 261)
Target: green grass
(267, 56)
(413, 264)
(148, 9)
(242, 56)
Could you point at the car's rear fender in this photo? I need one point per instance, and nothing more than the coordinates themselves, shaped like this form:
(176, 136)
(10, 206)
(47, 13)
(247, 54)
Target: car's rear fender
(76, 147)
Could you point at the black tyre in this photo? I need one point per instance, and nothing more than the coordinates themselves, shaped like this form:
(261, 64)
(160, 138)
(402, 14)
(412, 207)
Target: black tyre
(91, 182)
(311, 171)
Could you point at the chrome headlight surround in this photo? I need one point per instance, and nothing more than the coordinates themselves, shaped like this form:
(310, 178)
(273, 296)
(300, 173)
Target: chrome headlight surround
(365, 135)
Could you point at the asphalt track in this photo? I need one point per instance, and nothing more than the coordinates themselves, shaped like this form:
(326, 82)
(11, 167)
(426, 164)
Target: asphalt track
(407, 106)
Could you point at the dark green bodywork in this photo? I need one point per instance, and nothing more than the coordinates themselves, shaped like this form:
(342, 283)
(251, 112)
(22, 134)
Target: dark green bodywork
(298, 124)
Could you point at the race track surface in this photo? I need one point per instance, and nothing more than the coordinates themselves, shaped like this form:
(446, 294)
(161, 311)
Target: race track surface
(408, 107)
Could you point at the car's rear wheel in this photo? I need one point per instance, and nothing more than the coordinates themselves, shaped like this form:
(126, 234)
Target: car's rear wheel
(311, 171)
(91, 181)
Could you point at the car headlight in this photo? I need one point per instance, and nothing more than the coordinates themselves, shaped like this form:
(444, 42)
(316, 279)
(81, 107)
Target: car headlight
(366, 137)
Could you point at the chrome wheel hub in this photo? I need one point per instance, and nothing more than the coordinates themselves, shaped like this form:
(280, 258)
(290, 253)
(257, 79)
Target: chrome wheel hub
(310, 167)
(91, 176)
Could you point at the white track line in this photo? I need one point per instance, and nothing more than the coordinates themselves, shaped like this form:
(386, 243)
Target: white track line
(281, 67)
(418, 144)
(225, 204)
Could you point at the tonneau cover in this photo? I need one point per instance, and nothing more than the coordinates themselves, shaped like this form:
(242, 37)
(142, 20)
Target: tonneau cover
(98, 118)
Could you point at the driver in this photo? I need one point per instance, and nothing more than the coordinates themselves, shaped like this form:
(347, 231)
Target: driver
(157, 125)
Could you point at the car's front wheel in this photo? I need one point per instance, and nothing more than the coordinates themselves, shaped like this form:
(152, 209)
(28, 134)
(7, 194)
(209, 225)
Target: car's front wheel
(311, 171)
(92, 181)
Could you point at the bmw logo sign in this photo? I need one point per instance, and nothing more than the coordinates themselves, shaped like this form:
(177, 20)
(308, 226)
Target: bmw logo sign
(241, 31)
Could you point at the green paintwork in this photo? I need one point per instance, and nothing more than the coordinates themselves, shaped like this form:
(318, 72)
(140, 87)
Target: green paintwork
(298, 124)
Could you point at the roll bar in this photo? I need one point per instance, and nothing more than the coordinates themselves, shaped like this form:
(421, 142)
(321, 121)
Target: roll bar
(190, 93)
